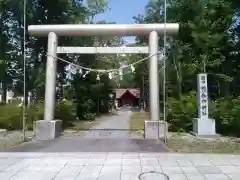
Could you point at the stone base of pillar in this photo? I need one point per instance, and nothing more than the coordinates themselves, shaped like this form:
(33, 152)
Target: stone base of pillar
(48, 130)
(204, 127)
(155, 129)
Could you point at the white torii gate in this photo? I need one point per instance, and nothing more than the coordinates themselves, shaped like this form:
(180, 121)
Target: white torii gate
(48, 128)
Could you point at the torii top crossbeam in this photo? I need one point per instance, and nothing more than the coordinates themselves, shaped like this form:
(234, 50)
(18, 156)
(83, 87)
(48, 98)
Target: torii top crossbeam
(103, 29)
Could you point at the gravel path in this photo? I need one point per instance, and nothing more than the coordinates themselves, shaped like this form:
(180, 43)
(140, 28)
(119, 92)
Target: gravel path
(116, 126)
(113, 127)
(12, 138)
(111, 135)
(117, 122)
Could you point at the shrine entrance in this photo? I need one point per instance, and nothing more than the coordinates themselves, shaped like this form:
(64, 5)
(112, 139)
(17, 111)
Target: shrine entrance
(49, 128)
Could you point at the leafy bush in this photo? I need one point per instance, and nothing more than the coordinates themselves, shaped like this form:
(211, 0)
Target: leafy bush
(89, 116)
(65, 112)
(181, 112)
(34, 112)
(85, 111)
(11, 115)
(226, 112)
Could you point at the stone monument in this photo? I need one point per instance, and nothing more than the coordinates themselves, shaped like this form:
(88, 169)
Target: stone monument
(203, 125)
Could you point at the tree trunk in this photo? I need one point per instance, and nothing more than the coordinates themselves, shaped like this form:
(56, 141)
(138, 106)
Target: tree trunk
(4, 91)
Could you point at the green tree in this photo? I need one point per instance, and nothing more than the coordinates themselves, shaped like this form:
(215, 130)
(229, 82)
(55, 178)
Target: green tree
(208, 41)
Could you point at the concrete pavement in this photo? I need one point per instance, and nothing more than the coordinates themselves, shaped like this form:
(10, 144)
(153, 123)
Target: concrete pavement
(111, 156)
(118, 166)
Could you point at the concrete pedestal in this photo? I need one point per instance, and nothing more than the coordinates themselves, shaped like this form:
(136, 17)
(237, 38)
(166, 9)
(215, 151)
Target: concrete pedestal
(3, 132)
(155, 129)
(48, 130)
(204, 127)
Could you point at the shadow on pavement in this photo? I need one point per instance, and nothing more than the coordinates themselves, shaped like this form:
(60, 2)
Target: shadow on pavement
(91, 145)
(89, 130)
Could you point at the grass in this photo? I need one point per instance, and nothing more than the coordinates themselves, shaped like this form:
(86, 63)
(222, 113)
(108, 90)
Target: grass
(136, 121)
(13, 138)
(186, 143)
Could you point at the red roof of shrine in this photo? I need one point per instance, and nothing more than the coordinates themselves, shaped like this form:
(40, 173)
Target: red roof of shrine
(134, 91)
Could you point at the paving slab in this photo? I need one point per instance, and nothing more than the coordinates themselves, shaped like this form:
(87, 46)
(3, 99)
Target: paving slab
(121, 166)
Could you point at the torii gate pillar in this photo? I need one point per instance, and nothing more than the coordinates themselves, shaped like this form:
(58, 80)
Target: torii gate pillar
(49, 128)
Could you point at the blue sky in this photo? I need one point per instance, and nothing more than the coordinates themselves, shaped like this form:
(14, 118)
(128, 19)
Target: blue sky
(122, 11)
